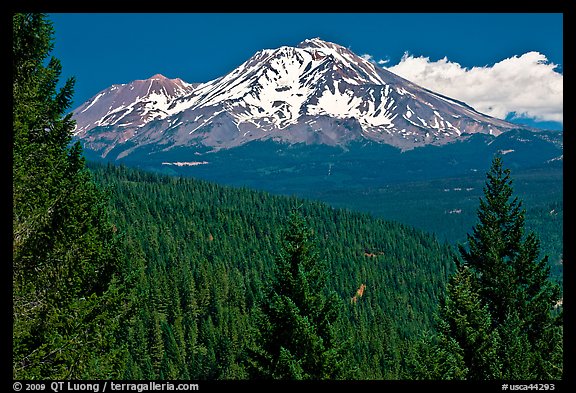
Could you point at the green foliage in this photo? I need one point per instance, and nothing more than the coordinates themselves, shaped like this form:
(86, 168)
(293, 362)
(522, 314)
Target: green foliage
(296, 327)
(202, 254)
(435, 358)
(67, 287)
(500, 304)
(465, 322)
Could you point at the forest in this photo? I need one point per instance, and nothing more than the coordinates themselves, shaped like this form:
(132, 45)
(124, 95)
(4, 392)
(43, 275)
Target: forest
(123, 274)
(205, 254)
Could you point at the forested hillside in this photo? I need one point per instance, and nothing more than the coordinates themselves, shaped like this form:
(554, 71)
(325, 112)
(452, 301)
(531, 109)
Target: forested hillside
(201, 255)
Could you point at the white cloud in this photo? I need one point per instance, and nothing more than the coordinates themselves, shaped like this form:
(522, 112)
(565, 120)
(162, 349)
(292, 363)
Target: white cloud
(526, 85)
(371, 59)
(367, 57)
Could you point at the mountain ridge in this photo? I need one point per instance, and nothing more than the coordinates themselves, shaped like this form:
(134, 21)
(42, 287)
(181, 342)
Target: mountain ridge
(316, 92)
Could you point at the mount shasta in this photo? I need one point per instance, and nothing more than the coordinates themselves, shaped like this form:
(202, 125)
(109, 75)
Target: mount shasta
(315, 93)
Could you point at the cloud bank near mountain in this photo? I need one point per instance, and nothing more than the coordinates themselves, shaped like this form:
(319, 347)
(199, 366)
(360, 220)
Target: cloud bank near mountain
(525, 86)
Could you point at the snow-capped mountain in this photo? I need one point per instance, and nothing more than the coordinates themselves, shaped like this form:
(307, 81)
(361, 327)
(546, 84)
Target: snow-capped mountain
(122, 109)
(316, 93)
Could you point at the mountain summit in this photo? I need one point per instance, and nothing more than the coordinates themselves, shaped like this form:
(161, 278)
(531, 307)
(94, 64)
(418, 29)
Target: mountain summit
(315, 93)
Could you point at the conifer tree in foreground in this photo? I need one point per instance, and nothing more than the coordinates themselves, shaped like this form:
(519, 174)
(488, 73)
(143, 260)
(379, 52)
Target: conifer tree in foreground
(297, 320)
(500, 304)
(66, 283)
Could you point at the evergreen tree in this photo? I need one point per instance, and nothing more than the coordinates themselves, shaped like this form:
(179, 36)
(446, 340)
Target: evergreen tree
(466, 323)
(298, 316)
(434, 358)
(67, 300)
(499, 304)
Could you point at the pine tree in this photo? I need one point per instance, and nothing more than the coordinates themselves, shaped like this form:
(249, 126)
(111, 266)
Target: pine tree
(434, 358)
(298, 316)
(499, 304)
(67, 279)
(466, 322)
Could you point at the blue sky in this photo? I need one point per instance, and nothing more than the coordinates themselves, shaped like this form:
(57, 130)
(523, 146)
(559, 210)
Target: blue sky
(440, 50)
